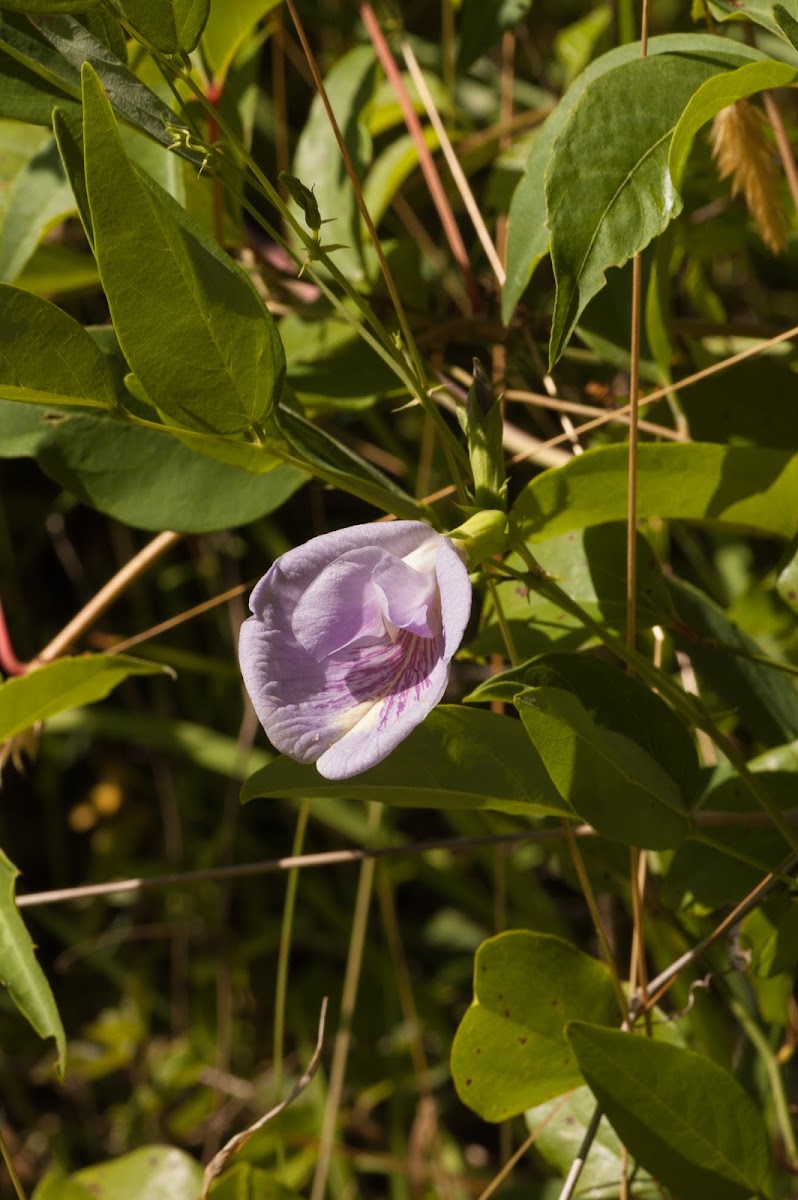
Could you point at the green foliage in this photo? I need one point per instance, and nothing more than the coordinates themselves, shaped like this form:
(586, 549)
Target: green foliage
(207, 311)
(605, 777)
(743, 487)
(194, 324)
(680, 1115)
(459, 757)
(66, 683)
(19, 970)
(510, 1051)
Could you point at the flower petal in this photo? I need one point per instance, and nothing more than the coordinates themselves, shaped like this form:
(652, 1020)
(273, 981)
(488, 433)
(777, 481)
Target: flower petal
(341, 606)
(348, 710)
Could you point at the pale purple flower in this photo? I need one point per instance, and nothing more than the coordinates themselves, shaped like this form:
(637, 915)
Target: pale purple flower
(350, 641)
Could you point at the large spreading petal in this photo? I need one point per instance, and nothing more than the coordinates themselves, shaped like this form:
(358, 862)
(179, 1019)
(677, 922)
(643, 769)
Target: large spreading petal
(349, 646)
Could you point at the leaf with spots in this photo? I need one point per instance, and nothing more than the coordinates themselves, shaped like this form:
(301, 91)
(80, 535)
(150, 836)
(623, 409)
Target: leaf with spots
(510, 1051)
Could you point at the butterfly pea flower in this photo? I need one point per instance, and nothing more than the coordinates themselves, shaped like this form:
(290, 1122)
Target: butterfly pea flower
(350, 640)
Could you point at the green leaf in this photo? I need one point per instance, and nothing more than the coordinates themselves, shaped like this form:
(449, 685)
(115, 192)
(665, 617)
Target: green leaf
(57, 270)
(63, 684)
(760, 12)
(203, 343)
(608, 188)
(55, 1185)
(25, 96)
(168, 25)
(742, 486)
(18, 145)
(482, 24)
(57, 55)
(48, 7)
(390, 170)
(575, 44)
(787, 582)
(787, 23)
(157, 1172)
(606, 778)
(716, 94)
(719, 408)
(528, 234)
(143, 477)
(317, 160)
(590, 566)
(226, 30)
(328, 363)
(561, 1125)
(40, 199)
(764, 699)
(68, 130)
(680, 1115)
(510, 1050)
(458, 758)
(19, 969)
(771, 933)
(46, 357)
(616, 701)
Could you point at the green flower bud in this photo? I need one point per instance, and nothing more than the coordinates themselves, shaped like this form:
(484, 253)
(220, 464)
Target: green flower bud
(482, 536)
(484, 430)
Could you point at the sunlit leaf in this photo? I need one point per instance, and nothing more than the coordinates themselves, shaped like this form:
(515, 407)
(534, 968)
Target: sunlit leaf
(20, 972)
(510, 1050)
(684, 1118)
(459, 758)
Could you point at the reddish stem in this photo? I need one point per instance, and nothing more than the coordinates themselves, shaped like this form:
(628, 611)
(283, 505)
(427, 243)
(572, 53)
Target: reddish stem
(9, 662)
(425, 159)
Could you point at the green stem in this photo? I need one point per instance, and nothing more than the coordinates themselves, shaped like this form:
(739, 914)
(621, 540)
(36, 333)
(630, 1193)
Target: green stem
(598, 925)
(12, 1171)
(284, 953)
(501, 617)
(780, 1106)
(348, 999)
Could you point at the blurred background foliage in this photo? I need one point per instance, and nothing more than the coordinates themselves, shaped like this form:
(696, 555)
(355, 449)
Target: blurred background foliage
(168, 994)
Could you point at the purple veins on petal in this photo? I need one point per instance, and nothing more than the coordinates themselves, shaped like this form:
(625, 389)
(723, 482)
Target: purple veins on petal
(350, 642)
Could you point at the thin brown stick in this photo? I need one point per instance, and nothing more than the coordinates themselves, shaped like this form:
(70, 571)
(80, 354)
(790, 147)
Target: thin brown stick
(288, 863)
(156, 630)
(332, 857)
(634, 416)
(425, 159)
(667, 390)
(106, 596)
(660, 985)
(220, 1160)
(458, 175)
(589, 410)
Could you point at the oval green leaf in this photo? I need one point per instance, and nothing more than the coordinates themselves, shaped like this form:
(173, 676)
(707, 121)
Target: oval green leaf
(510, 1050)
(459, 758)
(157, 1172)
(680, 1115)
(203, 343)
(749, 487)
(608, 779)
(46, 357)
(66, 683)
